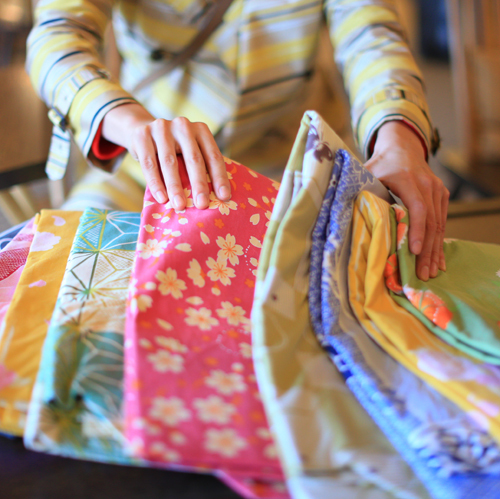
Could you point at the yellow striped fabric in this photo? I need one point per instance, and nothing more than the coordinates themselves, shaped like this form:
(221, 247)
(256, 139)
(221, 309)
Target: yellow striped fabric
(248, 75)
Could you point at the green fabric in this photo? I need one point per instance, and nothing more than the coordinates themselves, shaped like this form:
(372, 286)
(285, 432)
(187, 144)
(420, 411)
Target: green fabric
(76, 407)
(329, 446)
(461, 305)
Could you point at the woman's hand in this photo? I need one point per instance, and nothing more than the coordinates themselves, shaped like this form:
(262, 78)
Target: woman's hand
(155, 143)
(398, 161)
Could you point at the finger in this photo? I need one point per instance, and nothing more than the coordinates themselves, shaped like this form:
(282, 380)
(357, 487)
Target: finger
(438, 235)
(193, 157)
(445, 199)
(425, 257)
(214, 162)
(144, 149)
(165, 144)
(417, 209)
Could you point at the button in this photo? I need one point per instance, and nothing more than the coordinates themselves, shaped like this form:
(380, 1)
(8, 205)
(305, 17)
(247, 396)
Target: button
(157, 55)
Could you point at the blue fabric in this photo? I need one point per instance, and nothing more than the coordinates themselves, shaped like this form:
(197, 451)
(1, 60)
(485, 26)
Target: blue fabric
(330, 233)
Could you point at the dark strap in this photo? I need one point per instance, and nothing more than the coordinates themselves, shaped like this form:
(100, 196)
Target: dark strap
(211, 23)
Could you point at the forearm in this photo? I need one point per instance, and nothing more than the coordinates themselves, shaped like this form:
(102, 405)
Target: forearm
(380, 74)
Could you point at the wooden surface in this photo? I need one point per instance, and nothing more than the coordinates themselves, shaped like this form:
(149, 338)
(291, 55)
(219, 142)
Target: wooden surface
(475, 221)
(32, 475)
(25, 129)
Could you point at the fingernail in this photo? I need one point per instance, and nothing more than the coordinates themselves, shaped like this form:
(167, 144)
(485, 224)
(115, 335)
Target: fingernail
(201, 200)
(224, 193)
(434, 269)
(178, 202)
(160, 197)
(424, 273)
(442, 265)
(417, 247)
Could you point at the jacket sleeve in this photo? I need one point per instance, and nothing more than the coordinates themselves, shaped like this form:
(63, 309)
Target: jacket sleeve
(380, 74)
(63, 61)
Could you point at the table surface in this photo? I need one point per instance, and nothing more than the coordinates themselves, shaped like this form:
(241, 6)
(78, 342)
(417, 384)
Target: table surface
(32, 475)
(25, 129)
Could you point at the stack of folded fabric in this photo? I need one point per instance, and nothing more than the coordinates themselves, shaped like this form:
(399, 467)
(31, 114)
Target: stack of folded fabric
(280, 341)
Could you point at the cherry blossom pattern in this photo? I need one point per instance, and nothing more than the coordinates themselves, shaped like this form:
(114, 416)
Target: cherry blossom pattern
(164, 361)
(195, 273)
(226, 383)
(226, 442)
(169, 411)
(170, 284)
(201, 318)
(233, 314)
(219, 271)
(229, 250)
(224, 207)
(152, 248)
(213, 409)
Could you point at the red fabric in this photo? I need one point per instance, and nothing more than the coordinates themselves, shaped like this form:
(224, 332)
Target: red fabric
(411, 127)
(104, 149)
(191, 396)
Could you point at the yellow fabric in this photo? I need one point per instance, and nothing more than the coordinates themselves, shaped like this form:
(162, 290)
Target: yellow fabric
(463, 380)
(26, 323)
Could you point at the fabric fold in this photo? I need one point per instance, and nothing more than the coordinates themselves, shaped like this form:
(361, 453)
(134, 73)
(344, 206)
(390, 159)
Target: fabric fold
(191, 396)
(26, 322)
(342, 453)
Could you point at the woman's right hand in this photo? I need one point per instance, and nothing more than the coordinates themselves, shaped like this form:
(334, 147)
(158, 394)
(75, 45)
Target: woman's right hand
(155, 143)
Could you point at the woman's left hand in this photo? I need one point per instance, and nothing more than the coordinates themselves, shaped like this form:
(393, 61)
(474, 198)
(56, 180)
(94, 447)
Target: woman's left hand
(398, 161)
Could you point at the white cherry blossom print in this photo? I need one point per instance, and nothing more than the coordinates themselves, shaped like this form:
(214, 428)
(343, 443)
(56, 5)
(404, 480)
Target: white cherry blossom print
(194, 300)
(186, 247)
(223, 206)
(177, 438)
(172, 344)
(201, 318)
(225, 442)
(255, 219)
(214, 410)
(226, 383)
(141, 303)
(255, 242)
(145, 343)
(246, 350)
(189, 202)
(162, 451)
(149, 228)
(152, 248)
(169, 284)
(164, 361)
(233, 314)
(270, 451)
(195, 273)
(205, 239)
(164, 324)
(219, 271)
(229, 250)
(170, 411)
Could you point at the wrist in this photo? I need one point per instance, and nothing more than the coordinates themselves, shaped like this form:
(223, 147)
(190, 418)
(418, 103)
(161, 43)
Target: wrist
(400, 135)
(118, 123)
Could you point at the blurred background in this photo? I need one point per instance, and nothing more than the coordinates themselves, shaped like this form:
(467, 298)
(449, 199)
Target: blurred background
(456, 43)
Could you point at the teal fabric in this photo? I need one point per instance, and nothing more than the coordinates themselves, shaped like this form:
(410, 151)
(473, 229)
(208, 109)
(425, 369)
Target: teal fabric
(461, 305)
(76, 407)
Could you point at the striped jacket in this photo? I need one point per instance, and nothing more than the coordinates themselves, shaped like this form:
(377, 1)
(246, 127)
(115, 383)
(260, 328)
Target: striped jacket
(247, 75)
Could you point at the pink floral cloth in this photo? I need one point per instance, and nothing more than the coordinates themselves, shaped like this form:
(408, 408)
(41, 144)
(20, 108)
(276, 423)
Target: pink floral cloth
(191, 395)
(12, 261)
